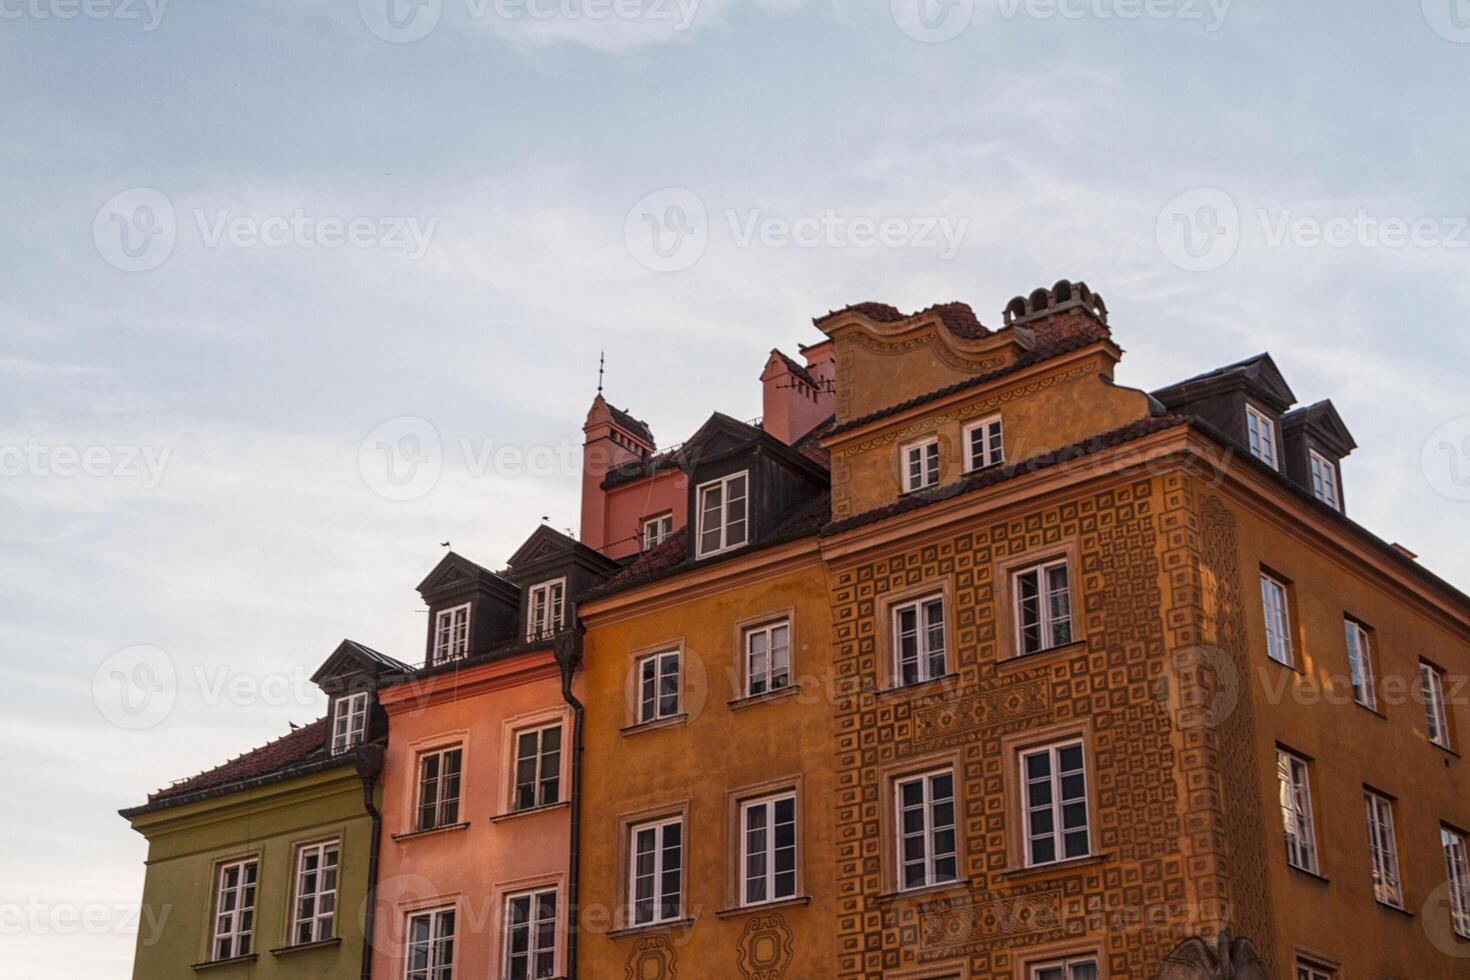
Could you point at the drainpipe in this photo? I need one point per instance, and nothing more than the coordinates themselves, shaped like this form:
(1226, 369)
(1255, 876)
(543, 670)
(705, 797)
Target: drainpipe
(568, 656)
(369, 768)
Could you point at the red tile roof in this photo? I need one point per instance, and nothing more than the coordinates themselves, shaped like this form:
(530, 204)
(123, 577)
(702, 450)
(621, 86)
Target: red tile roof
(284, 752)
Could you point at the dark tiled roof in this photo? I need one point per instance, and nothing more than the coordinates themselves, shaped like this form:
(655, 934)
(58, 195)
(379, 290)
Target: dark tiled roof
(797, 369)
(1000, 474)
(636, 426)
(1052, 340)
(959, 318)
(881, 312)
(269, 759)
(810, 445)
(382, 659)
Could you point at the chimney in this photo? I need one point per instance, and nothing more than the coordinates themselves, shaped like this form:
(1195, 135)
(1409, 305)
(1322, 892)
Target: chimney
(613, 437)
(797, 398)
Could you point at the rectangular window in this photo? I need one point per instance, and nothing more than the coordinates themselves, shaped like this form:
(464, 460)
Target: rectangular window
(1324, 481)
(538, 768)
(1457, 871)
(430, 947)
(723, 522)
(1312, 971)
(918, 641)
(1043, 596)
(439, 788)
(1074, 969)
(349, 721)
(927, 841)
(1278, 620)
(1431, 688)
(1383, 848)
(767, 658)
(234, 910)
(1360, 663)
(658, 686)
(655, 529)
(768, 850)
(316, 893)
(1262, 433)
(451, 634)
(1296, 811)
(656, 872)
(920, 465)
(546, 609)
(530, 935)
(1054, 782)
(983, 444)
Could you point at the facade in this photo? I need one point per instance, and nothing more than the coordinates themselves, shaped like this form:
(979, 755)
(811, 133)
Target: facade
(965, 662)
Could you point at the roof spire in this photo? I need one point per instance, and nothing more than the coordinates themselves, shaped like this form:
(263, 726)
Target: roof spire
(601, 363)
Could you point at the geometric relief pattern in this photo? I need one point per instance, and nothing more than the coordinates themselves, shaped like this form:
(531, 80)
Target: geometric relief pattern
(1137, 897)
(653, 958)
(765, 949)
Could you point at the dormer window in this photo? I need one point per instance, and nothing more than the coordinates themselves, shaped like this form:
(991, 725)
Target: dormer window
(1324, 481)
(655, 529)
(920, 465)
(546, 609)
(723, 522)
(451, 634)
(349, 721)
(983, 444)
(1261, 432)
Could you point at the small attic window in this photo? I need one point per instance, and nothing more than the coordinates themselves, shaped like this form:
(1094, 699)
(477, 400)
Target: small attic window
(546, 609)
(349, 721)
(1261, 432)
(1324, 481)
(722, 506)
(451, 634)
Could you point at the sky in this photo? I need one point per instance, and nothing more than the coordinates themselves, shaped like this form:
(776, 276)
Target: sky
(293, 292)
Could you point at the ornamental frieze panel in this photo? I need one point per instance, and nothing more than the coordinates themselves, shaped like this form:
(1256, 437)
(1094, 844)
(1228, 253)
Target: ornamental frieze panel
(967, 924)
(653, 958)
(941, 350)
(956, 722)
(765, 948)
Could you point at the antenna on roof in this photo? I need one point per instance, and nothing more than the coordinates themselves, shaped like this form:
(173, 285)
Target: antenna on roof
(601, 364)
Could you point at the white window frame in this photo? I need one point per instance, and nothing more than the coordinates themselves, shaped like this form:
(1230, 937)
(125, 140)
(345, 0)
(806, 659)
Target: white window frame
(929, 830)
(1299, 824)
(451, 634)
(1261, 437)
(1436, 717)
(655, 530)
(1383, 850)
(1359, 641)
(437, 946)
(532, 927)
(1049, 621)
(727, 540)
(928, 464)
(1325, 484)
(765, 680)
(235, 926)
(1056, 804)
(767, 876)
(546, 609)
(1457, 874)
(651, 703)
(540, 761)
(658, 911)
(925, 651)
(349, 721)
(1278, 620)
(441, 802)
(1063, 969)
(992, 433)
(309, 897)
(1313, 971)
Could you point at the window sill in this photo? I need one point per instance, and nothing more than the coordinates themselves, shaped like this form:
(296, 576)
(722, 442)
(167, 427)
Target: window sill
(1070, 864)
(961, 885)
(918, 687)
(1444, 748)
(672, 721)
(416, 834)
(232, 961)
(1370, 710)
(530, 811)
(765, 697)
(1291, 666)
(1390, 907)
(653, 927)
(1314, 875)
(762, 907)
(1015, 662)
(303, 947)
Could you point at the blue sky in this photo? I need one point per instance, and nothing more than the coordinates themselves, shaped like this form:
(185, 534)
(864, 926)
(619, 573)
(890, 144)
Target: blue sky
(186, 452)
